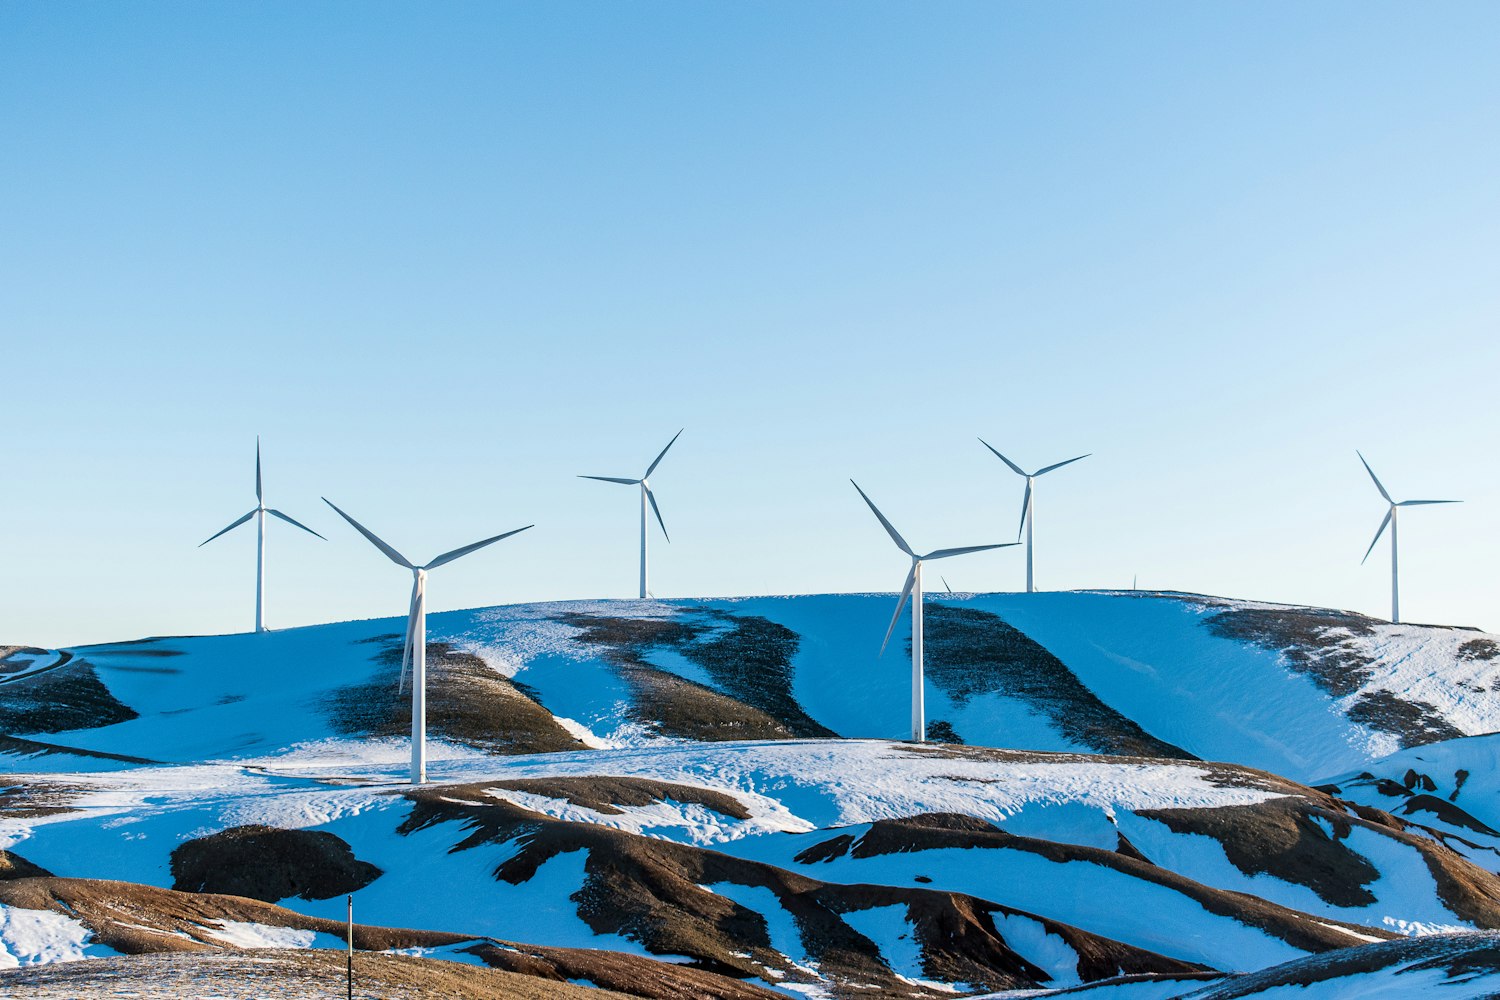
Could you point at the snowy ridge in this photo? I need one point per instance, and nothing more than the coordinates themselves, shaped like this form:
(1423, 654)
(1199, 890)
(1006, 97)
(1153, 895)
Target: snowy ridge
(700, 781)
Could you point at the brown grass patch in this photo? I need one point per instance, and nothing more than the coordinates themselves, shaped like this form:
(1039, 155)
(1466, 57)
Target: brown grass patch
(970, 653)
(269, 864)
(606, 794)
(748, 659)
(651, 890)
(60, 699)
(467, 701)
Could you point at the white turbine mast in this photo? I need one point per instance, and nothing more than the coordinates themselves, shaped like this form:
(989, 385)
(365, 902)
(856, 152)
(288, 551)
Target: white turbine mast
(1390, 519)
(414, 654)
(913, 589)
(647, 499)
(259, 513)
(1028, 503)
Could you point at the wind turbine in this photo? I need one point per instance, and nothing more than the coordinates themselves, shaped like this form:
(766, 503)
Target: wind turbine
(1028, 504)
(415, 652)
(259, 513)
(1390, 519)
(647, 497)
(913, 589)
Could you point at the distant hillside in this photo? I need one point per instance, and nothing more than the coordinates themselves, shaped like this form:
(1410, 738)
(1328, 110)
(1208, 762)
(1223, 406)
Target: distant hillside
(1304, 692)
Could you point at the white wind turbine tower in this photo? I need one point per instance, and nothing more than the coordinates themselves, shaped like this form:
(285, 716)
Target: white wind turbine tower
(647, 498)
(1028, 504)
(913, 590)
(259, 513)
(1390, 519)
(414, 653)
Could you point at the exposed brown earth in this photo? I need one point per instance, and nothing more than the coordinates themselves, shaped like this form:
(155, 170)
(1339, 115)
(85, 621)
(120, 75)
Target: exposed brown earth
(467, 701)
(283, 974)
(1282, 837)
(969, 653)
(1459, 956)
(1310, 640)
(36, 748)
(937, 831)
(748, 658)
(1479, 649)
(269, 864)
(27, 795)
(51, 701)
(653, 891)
(13, 866)
(1314, 642)
(1446, 812)
(606, 794)
(14, 659)
(1414, 722)
(139, 920)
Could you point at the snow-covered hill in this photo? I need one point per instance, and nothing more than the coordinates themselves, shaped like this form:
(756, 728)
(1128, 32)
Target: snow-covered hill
(1122, 789)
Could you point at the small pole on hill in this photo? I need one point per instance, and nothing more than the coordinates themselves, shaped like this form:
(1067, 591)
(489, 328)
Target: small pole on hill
(350, 963)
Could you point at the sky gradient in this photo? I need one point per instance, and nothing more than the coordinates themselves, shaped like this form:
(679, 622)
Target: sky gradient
(444, 259)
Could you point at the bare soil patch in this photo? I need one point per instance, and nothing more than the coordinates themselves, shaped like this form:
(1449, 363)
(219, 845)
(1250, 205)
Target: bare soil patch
(467, 702)
(140, 920)
(1461, 956)
(606, 794)
(748, 659)
(970, 653)
(284, 974)
(269, 864)
(935, 831)
(12, 865)
(651, 890)
(52, 701)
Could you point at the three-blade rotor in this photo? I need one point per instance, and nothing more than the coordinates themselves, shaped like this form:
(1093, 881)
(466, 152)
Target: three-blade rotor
(645, 484)
(419, 573)
(260, 505)
(916, 560)
(1391, 510)
(1029, 477)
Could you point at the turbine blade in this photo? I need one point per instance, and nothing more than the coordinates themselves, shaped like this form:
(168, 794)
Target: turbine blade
(945, 584)
(1059, 465)
(448, 557)
(911, 581)
(1377, 537)
(1013, 466)
(895, 535)
(965, 550)
(612, 479)
(1025, 510)
(290, 520)
(1377, 481)
(390, 553)
(236, 524)
(652, 467)
(1422, 503)
(657, 510)
(411, 632)
(259, 495)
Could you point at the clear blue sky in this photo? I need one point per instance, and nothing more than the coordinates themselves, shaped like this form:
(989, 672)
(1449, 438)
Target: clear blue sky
(444, 258)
